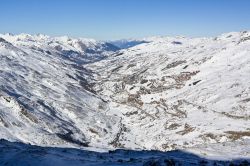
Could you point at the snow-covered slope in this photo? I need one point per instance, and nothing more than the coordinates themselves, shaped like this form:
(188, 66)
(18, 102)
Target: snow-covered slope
(179, 92)
(166, 94)
(45, 98)
(19, 154)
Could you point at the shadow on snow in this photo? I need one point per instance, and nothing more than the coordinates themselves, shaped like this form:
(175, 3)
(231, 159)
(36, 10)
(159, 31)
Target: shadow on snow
(20, 154)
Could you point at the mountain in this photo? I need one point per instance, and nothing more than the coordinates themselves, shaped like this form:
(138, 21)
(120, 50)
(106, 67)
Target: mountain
(45, 98)
(71, 48)
(164, 94)
(124, 44)
(178, 92)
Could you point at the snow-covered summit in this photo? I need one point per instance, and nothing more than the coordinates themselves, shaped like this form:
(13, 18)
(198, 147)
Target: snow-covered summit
(81, 45)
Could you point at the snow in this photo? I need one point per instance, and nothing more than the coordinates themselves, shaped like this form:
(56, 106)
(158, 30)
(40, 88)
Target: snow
(20, 154)
(190, 93)
(164, 94)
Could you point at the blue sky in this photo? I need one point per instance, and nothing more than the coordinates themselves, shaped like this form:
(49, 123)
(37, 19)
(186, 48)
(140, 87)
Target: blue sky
(115, 19)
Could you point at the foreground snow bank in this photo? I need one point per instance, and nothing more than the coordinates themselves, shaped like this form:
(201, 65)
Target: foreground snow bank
(13, 153)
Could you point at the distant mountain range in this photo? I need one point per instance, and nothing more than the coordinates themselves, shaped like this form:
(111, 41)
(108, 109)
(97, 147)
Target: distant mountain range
(124, 44)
